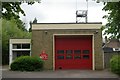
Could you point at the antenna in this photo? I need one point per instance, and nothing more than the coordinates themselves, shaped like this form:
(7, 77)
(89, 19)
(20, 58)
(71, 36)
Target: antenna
(76, 11)
(81, 14)
(87, 12)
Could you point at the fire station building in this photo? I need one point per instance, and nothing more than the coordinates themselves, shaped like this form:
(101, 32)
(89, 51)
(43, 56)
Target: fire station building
(68, 45)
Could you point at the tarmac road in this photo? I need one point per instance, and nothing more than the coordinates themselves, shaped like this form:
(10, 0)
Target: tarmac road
(67, 74)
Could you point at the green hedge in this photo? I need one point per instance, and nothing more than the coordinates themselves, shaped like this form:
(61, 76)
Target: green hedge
(115, 64)
(27, 63)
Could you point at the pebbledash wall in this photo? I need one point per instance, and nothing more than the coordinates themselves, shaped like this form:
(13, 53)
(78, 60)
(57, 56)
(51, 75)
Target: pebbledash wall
(43, 35)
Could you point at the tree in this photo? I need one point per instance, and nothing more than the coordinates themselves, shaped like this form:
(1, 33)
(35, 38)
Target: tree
(113, 17)
(34, 21)
(30, 29)
(12, 26)
(12, 10)
(10, 30)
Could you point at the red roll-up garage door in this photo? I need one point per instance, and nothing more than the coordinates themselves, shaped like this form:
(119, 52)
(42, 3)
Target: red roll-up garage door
(73, 52)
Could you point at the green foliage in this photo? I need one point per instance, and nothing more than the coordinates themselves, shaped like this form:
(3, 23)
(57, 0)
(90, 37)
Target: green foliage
(10, 30)
(34, 21)
(30, 29)
(115, 64)
(12, 10)
(12, 26)
(113, 17)
(27, 63)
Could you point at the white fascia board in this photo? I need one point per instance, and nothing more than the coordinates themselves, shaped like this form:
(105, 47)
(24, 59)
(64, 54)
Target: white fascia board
(65, 26)
(12, 41)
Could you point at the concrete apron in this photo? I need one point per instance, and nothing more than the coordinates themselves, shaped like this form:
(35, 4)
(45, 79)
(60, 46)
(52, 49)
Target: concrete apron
(59, 74)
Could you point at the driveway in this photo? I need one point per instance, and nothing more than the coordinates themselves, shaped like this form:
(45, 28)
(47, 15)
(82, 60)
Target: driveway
(59, 74)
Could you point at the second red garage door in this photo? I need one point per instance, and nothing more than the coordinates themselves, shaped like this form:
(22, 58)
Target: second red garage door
(73, 52)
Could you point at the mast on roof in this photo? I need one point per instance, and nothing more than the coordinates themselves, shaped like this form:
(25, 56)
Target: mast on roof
(81, 14)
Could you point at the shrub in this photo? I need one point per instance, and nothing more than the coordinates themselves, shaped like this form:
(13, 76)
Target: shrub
(115, 64)
(27, 63)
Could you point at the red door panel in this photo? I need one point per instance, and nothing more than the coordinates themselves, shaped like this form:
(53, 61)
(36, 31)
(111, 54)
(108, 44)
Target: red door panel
(73, 52)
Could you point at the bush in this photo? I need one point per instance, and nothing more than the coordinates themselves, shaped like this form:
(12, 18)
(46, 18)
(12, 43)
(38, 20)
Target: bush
(115, 64)
(27, 63)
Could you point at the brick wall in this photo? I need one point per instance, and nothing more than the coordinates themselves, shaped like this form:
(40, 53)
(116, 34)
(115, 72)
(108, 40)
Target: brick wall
(43, 40)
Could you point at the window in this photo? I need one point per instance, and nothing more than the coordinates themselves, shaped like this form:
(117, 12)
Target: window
(17, 46)
(21, 53)
(60, 57)
(21, 46)
(77, 51)
(77, 57)
(68, 57)
(85, 56)
(68, 51)
(86, 51)
(25, 46)
(60, 51)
